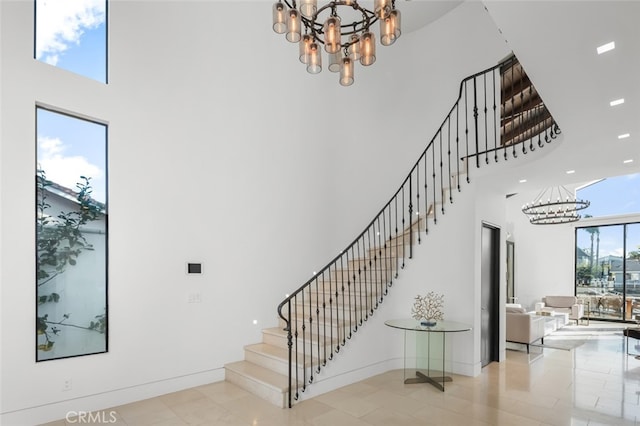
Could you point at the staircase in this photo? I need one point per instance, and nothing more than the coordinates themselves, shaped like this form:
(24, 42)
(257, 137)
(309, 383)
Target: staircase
(319, 318)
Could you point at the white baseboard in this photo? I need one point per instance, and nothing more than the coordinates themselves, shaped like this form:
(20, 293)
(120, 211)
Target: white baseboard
(328, 384)
(324, 385)
(105, 400)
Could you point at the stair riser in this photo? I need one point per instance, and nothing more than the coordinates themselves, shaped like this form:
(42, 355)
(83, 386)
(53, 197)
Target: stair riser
(275, 397)
(280, 366)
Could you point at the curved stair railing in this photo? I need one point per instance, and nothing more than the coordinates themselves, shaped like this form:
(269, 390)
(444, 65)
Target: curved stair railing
(322, 315)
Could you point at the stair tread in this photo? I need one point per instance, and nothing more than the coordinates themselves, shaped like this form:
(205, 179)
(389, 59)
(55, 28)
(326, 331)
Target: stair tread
(260, 374)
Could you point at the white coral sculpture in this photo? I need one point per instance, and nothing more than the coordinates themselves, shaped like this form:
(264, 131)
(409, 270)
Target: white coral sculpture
(428, 307)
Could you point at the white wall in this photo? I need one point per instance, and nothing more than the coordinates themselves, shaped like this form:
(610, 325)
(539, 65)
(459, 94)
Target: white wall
(212, 158)
(544, 254)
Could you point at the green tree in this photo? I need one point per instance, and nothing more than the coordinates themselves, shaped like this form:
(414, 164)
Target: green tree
(59, 243)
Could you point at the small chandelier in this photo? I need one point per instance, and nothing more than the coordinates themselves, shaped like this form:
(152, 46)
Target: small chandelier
(554, 206)
(345, 43)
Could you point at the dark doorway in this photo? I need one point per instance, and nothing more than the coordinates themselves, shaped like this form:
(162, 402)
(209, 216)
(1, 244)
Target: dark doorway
(490, 283)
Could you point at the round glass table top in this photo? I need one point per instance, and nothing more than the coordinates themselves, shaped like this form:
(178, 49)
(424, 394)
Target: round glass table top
(441, 326)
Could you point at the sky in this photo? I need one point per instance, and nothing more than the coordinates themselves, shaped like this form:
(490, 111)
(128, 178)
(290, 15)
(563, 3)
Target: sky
(612, 196)
(70, 147)
(71, 34)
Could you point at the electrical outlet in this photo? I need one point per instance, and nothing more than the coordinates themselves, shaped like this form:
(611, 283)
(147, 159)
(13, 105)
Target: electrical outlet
(66, 385)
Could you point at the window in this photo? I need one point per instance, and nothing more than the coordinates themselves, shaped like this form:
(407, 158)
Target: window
(608, 270)
(73, 35)
(71, 236)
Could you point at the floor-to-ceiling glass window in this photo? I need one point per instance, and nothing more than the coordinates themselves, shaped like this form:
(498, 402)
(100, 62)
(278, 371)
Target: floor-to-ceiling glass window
(607, 272)
(632, 268)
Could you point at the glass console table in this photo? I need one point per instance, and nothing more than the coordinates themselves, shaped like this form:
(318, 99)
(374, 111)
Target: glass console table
(428, 346)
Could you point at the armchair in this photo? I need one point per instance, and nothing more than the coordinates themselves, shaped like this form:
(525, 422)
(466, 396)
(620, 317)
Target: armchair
(522, 327)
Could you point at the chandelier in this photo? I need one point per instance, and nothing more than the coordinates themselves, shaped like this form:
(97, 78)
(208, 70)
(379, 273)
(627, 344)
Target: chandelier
(554, 206)
(344, 42)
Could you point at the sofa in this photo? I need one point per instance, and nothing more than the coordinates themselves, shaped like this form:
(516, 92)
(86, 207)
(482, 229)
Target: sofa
(523, 327)
(569, 305)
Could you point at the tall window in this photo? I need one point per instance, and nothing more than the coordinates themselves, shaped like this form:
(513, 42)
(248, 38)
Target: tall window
(71, 236)
(608, 270)
(608, 256)
(72, 34)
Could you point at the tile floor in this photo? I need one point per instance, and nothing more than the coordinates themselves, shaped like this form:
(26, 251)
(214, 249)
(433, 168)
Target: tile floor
(593, 384)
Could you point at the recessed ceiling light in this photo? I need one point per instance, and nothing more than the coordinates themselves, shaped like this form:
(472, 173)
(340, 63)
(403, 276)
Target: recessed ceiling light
(606, 47)
(628, 161)
(570, 172)
(624, 136)
(617, 102)
(522, 181)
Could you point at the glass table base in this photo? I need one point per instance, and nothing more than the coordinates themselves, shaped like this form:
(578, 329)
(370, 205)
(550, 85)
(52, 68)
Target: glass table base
(423, 378)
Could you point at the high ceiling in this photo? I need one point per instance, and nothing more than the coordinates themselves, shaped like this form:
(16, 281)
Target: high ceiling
(556, 43)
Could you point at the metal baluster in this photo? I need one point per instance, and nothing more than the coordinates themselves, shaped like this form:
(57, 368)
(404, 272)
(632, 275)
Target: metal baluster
(404, 234)
(360, 282)
(475, 121)
(521, 126)
(353, 322)
(495, 124)
(366, 260)
(531, 111)
(449, 156)
(387, 257)
(344, 315)
(304, 343)
(290, 347)
(383, 263)
(426, 196)
(396, 240)
(433, 168)
(310, 335)
(442, 197)
(318, 323)
(466, 130)
(513, 109)
(330, 357)
(457, 146)
(410, 206)
(373, 265)
(339, 305)
(486, 134)
(417, 169)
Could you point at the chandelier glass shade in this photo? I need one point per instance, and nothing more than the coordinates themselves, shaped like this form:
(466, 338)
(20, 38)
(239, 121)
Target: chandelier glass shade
(346, 38)
(554, 206)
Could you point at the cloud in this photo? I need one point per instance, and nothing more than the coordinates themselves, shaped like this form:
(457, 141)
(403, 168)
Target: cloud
(62, 23)
(61, 169)
(619, 252)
